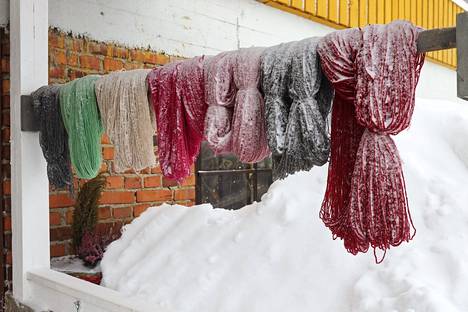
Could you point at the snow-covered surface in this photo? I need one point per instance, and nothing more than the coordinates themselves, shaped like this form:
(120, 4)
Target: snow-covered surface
(72, 264)
(277, 255)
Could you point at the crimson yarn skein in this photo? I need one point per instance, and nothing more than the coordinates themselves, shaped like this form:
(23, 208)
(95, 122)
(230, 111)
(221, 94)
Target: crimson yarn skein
(178, 95)
(376, 70)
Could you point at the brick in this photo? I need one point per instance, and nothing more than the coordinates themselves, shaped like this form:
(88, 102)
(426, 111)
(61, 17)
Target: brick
(57, 72)
(184, 194)
(154, 195)
(97, 48)
(139, 209)
(169, 182)
(104, 168)
(6, 86)
(104, 213)
(131, 65)
(56, 40)
(7, 223)
(108, 153)
(6, 135)
(60, 233)
(60, 200)
(6, 118)
(6, 187)
(115, 182)
(69, 216)
(5, 65)
(7, 240)
(90, 62)
(72, 59)
(156, 169)
(112, 64)
(117, 197)
(75, 73)
(154, 181)
(9, 258)
(60, 58)
(132, 182)
(6, 101)
(55, 218)
(120, 52)
(74, 44)
(57, 250)
(162, 59)
(124, 212)
(189, 181)
(105, 139)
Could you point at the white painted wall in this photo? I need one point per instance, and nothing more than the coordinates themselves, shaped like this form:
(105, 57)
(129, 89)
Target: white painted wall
(194, 27)
(4, 12)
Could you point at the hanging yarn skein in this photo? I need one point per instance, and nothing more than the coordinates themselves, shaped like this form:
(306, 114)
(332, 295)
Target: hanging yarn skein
(177, 93)
(53, 136)
(386, 69)
(276, 70)
(220, 95)
(307, 140)
(297, 99)
(249, 141)
(128, 118)
(81, 118)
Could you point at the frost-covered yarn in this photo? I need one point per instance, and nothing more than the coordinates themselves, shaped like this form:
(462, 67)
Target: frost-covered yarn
(307, 140)
(276, 69)
(190, 86)
(338, 52)
(220, 95)
(178, 95)
(81, 118)
(249, 140)
(128, 118)
(298, 100)
(53, 136)
(382, 66)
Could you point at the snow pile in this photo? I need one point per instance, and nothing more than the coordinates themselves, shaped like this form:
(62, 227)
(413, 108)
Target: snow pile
(278, 256)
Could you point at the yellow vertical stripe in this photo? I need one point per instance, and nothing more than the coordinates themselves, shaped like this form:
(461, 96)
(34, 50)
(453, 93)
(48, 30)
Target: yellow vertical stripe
(322, 8)
(372, 11)
(388, 11)
(354, 13)
(419, 12)
(344, 18)
(380, 11)
(363, 16)
(333, 10)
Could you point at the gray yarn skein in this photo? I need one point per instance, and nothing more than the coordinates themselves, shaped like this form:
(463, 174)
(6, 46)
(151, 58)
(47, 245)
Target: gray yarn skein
(297, 99)
(307, 142)
(275, 70)
(53, 137)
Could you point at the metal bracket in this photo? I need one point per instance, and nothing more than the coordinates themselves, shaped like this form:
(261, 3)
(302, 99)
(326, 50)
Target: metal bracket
(29, 120)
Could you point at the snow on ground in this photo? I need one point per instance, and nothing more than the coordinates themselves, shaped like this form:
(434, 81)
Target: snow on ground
(277, 255)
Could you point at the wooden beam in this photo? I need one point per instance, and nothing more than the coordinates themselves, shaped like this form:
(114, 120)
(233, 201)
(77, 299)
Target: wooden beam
(462, 56)
(437, 39)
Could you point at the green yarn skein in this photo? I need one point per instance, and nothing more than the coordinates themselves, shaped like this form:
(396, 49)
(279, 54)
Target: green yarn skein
(81, 118)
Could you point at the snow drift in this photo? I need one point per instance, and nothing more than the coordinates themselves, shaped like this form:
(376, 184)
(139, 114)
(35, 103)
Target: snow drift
(277, 255)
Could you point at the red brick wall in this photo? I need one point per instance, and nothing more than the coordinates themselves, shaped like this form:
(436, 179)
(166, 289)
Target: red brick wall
(127, 195)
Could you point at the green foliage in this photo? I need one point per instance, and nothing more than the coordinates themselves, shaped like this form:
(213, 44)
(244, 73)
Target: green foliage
(85, 213)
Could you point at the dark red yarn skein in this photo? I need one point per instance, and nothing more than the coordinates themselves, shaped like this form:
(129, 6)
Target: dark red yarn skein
(374, 72)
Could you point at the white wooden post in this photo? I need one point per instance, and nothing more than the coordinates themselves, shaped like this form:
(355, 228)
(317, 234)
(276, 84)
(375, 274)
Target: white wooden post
(30, 195)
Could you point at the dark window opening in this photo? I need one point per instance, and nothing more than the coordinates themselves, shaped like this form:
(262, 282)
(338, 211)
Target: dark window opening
(225, 182)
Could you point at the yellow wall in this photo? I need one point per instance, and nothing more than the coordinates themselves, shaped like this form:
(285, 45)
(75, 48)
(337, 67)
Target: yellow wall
(357, 13)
